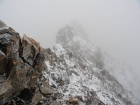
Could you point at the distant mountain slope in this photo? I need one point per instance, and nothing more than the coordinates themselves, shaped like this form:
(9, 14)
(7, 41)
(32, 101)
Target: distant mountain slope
(92, 69)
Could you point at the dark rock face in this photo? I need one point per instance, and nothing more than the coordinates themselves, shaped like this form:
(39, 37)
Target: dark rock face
(21, 65)
(29, 49)
(23, 94)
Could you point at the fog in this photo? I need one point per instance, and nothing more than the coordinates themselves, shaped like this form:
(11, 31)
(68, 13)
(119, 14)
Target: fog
(111, 24)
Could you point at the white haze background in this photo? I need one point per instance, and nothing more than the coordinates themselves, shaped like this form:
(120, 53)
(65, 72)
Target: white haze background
(114, 25)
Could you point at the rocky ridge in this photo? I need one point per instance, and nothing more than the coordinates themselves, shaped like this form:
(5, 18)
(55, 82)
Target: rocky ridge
(32, 75)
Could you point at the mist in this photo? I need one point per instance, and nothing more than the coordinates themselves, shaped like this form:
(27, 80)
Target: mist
(112, 25)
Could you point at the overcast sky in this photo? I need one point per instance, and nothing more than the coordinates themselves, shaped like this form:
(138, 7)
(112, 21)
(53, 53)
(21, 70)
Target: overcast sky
(111, 24)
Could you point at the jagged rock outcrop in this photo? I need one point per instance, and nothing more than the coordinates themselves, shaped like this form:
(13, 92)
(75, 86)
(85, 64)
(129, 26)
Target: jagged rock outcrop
(21, 65)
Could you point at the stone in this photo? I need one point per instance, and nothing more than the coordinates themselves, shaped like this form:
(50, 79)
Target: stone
(55, 103)
(44, 67)
(20, 74)
(45, 84)
(36, 98)
(33, 79)
(10, 64)
(46, 90)
(4, 85)
(29, 49)
(9, 44)
(5, 89)
(39, 61)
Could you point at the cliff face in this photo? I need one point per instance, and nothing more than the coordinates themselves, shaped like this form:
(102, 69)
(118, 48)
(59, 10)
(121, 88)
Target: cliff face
(74, 72)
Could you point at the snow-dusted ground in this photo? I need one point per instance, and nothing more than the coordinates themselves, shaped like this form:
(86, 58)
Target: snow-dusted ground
(81, 76)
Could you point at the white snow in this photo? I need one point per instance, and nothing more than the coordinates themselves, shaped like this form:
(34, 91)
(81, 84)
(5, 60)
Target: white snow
(81, 80)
